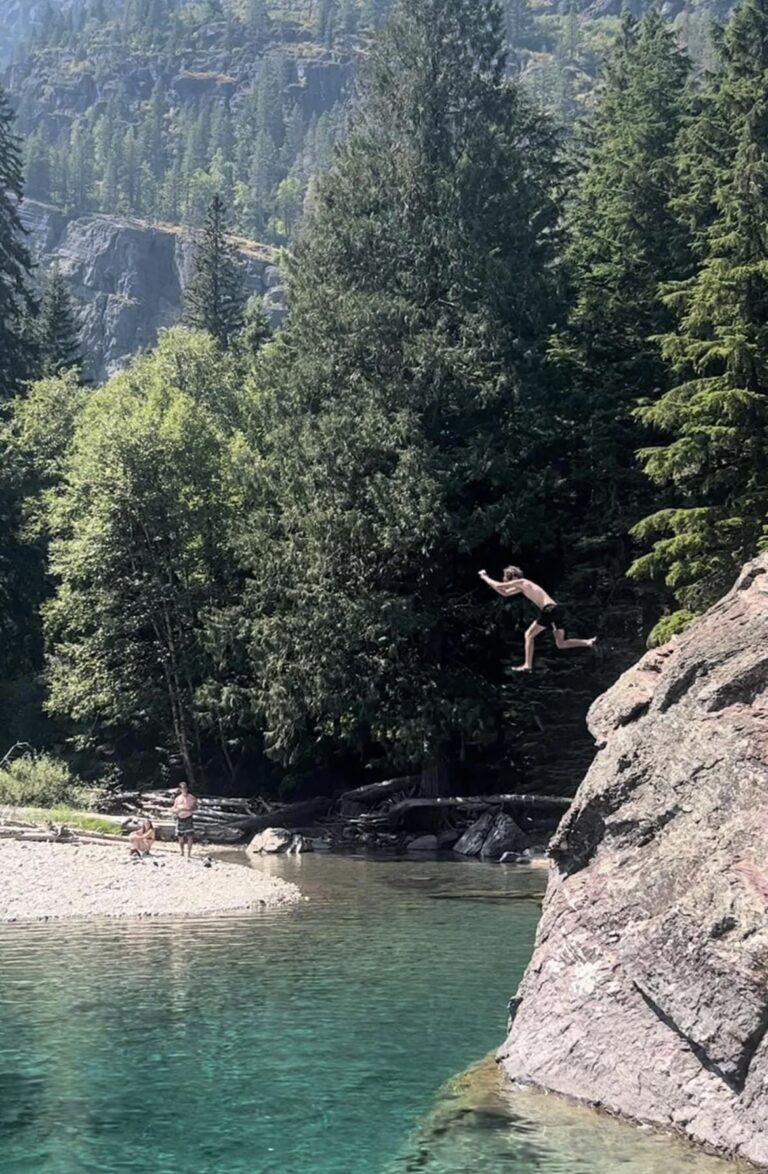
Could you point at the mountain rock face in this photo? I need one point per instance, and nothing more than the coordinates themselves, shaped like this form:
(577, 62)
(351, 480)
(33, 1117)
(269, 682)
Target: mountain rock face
(19, 17)
(647, 994)
(127, 278)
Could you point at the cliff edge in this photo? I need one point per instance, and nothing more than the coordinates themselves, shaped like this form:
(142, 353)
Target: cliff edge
(647, 993)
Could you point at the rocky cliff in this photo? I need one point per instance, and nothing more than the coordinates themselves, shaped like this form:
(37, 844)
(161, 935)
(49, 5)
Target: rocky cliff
(647, 994)
(127, 277)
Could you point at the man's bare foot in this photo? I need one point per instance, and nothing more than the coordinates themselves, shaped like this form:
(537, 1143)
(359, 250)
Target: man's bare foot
(521, 668)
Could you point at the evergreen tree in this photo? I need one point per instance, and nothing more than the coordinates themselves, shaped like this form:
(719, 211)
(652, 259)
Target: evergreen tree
(398, 409)
(58, 334)
(15, 298)
(215, 297)
(715, 463)
(256, 327)
(624, 240)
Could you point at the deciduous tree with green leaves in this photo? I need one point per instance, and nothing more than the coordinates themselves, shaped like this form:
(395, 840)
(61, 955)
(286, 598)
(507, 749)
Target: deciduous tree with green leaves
(139, 528)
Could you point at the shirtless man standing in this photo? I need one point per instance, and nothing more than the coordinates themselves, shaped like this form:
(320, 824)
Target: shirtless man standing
(550, 614)
(184, 807)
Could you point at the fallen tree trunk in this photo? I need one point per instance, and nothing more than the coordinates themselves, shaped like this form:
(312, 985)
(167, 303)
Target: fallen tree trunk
(286, 817)
(480, 802)
(378, 792)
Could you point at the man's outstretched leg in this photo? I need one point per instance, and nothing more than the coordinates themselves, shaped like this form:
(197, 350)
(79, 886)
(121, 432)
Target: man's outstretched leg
(561, 642)
(530, 644)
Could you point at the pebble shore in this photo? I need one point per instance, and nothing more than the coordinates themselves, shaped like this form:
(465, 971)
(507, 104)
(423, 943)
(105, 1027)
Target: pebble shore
(41, 882)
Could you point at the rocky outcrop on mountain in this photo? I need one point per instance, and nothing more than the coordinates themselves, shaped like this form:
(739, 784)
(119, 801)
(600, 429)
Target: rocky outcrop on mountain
(127, 278)
(19, 18)
(647, 994)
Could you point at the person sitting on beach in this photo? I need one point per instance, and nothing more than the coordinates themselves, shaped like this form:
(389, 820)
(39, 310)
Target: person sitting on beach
(549, 613)
(184, 807)
(141, 841)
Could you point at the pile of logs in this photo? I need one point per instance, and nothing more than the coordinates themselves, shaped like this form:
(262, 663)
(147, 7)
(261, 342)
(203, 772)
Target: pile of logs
(219, 820)
(388, 812)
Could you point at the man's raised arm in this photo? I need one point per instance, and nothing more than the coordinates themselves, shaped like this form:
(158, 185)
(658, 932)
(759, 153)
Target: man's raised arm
(504, 589)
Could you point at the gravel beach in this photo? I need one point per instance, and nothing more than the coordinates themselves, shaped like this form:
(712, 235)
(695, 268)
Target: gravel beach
(53, 881)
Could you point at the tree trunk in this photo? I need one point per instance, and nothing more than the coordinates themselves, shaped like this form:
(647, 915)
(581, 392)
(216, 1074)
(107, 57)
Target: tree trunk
(435, 777)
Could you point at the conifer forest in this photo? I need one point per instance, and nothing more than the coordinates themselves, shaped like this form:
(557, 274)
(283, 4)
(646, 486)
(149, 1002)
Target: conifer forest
(523, 247)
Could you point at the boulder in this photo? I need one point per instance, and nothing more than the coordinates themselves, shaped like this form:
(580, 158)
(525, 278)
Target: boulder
(423, 844)
(274, 840)
(471, 843)
(647, 992)
(505, 836)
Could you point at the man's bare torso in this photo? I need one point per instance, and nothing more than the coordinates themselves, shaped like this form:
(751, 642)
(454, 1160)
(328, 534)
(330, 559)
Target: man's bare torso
(532, 591)
(184, 806)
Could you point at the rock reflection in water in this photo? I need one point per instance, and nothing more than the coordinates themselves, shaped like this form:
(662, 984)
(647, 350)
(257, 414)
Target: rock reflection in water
(478, 1125)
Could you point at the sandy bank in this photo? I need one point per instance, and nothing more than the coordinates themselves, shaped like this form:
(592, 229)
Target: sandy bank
(51, 881)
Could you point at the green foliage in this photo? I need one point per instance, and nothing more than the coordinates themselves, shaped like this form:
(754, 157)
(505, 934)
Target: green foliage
(395, 417)
(715, 460)
(38, 780)
(624, 239)
(214, 298)
(58, 335)
(669, 626)
(85, 821)
(138, 548)
(15, 299)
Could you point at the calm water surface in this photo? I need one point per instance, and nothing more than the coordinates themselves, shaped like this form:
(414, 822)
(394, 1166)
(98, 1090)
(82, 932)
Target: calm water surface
(313, 1039)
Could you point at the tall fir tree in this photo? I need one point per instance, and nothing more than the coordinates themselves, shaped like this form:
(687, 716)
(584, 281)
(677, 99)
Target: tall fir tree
(395, 416)
(624, 239)
(58, 332)
(15, 298)
(214, 299)
(715, 463)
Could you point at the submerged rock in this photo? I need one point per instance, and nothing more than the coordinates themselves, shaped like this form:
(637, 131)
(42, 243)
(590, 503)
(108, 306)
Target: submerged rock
(647, 993)
(423, 844)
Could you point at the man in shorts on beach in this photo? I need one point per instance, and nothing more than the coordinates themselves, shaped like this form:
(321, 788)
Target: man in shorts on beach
(184, 807)
(550, 615)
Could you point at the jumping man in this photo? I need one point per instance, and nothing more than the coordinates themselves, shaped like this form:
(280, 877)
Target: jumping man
(550, 613)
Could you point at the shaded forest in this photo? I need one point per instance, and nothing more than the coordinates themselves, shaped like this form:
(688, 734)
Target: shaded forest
(252, 559)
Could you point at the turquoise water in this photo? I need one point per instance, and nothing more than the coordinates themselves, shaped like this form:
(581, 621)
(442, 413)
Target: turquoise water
(310, 1039)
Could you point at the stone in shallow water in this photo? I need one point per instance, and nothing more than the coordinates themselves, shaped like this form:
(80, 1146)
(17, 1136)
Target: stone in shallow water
(472, 841)
(274, 840)
(504, 836)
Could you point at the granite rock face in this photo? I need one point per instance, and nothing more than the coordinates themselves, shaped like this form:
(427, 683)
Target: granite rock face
(647, 993)
(126, 277)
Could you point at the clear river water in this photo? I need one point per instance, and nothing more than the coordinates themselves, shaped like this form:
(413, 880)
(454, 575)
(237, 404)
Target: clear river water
(309, 1040)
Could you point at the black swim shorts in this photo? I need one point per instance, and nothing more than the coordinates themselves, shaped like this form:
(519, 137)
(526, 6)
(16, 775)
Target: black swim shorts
(551, 616)
(185, 826)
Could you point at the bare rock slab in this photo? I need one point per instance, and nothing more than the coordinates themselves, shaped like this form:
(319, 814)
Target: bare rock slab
(647, 993)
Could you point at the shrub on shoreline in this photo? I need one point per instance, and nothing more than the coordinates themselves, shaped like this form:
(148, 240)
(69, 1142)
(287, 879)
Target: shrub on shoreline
(40, 780)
